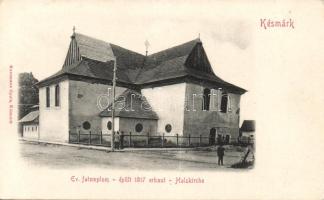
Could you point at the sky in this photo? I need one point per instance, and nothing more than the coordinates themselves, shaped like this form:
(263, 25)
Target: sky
(36, 35)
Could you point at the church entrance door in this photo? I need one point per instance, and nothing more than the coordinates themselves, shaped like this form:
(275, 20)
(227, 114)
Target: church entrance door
(212, 136)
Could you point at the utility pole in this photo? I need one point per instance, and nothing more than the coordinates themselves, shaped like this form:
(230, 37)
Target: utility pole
(113, 105)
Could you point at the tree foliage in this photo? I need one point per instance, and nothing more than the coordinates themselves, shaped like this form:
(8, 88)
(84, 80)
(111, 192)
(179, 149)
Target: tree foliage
(27, 94)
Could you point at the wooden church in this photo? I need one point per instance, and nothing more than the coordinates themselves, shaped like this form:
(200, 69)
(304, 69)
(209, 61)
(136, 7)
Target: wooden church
(174, 91)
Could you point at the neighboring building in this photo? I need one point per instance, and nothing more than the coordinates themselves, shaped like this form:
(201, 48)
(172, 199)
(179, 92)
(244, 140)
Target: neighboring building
(248, 128)
(30, 127)
(178, 87)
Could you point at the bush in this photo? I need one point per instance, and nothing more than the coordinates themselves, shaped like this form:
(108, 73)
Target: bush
(243, 164)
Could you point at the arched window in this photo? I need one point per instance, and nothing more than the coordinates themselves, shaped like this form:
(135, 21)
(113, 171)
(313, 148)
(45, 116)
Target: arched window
(57, 95)
(47, 97)
(224, 102)
(206, 99)
(109, 125)
(86, 125)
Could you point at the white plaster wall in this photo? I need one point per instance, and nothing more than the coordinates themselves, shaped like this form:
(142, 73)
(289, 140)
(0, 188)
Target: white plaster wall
(169, 103)
(30, 131)
(104, 127)
(200, 122)
(84, 98)
(54, 121)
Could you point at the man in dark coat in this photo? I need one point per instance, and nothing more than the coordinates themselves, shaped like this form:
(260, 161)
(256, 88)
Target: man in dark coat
(220, 154)
(117, 140)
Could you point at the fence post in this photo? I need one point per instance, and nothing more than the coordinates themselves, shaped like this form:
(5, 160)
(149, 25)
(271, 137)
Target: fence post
(189, 140)
(147, 140)
(130, 139)
(100, 138)
(200, 140)
(177, 139)
(79, 137)
(89, 137)
(162, 139)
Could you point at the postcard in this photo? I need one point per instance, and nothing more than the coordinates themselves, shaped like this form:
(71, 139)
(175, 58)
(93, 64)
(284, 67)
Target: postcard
(162, 99)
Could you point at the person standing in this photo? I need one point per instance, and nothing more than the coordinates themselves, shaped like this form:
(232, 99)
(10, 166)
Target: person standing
(121, 145)
(220, 154)
(117, 140)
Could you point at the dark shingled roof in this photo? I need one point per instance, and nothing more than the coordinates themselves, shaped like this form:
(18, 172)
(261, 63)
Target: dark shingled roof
(30, 117)
(248, 126)
(131, 104)
(93, 48)
(182, 50)
(93, 58)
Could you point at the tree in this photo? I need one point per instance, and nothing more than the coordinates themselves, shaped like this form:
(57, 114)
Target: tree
(27, 94)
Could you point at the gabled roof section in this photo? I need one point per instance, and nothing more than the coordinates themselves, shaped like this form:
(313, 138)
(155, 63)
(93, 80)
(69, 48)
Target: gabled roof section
(167, 64)
(83, 47)
(88, 68)
(127, 59)
(198, 60)
(30, 117)
(92, 58)
(73, 54)
(248, 126)
(131, 104)
(171, 53)
(169, 69)
(102, 51)
(93, 48)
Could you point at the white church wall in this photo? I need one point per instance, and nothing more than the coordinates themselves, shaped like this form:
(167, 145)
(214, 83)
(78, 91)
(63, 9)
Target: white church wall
(128, 125)
(199, 122)
(104, 127)
(168, 102)
(54, 120)
(87, 100)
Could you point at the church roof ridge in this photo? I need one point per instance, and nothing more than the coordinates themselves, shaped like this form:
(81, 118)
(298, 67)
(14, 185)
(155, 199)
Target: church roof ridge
(93, 58)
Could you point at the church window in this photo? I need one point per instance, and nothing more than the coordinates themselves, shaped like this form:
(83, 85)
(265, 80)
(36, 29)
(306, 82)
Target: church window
(47, 97)
(206, 99)
(109, 125)
(224, 102)
(86, 125)
(138, 127)
(57, 95)
(168, 128)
